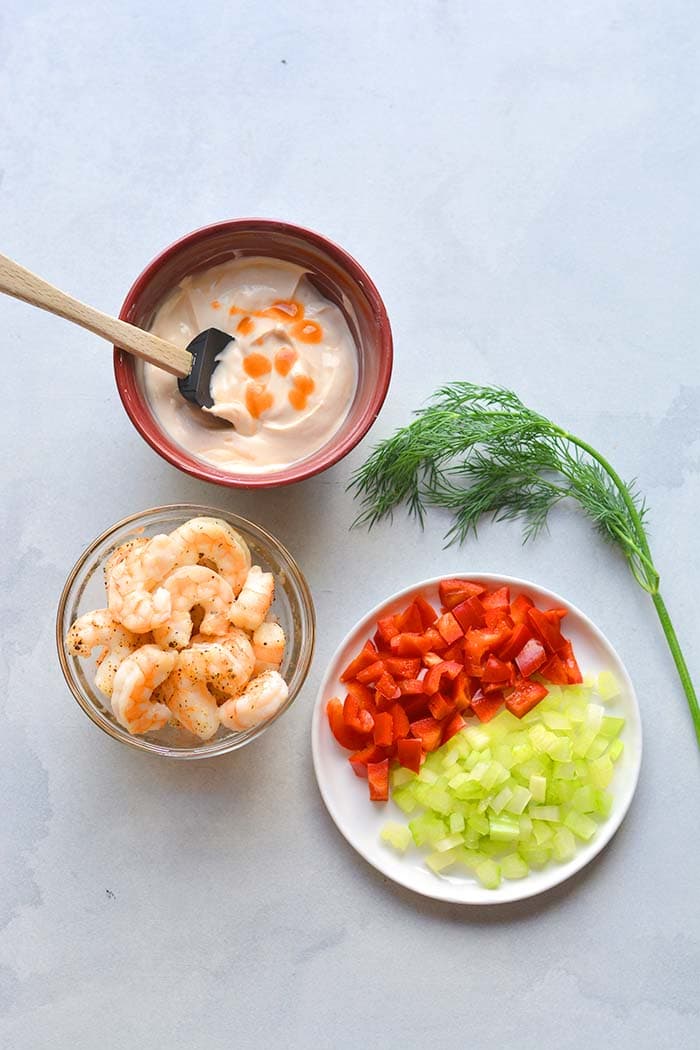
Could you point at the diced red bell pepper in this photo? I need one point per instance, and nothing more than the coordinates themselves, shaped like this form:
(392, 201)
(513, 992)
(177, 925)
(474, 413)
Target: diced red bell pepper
(498, 599)
(555, 671)
(359, 760)
(386, 686)
(496, 670)
(429, 731)
(519, 608)
(410, 753)
(416, 707)
(411, 687)
(573, 671)
(378, 777)
(383, 729)
(478, 643)
(489, 688)
(496, 619)
(387, 629)
(366, 656)
(408, 645)
(452, 727)
(469, 613)
(427, 613)
(347, 738)
(449, 628)
(461, 692)
(524, 697)
(362, 693)
(403, 667)
(432, 659)
(437, 642)
(400, 719)
(531, 657)
(356, 717)
(548, 629)
(452, 592)
(512, 646)
(455, 652)
(449, 668)
(410, 620)
(486, 707)
(372, 673)
(440, 707)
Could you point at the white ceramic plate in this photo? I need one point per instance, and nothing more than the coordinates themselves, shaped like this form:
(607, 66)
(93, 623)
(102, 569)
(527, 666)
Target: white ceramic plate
(360, 820)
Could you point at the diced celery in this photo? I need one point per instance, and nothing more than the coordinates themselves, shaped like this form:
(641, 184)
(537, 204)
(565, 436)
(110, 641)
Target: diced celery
(555, 720)
(427, 775)
(538, 787)
(479, 770)
(405, 799)
(458, 779)
(396, 835)
(608, 686)
(521, 752)
(456, 822)
(400, 776)
(541, 739)
(616, 749)
(440, 800)
(478, 823)
(503, 753)
(559, 791)
(597, 748)
(603, 802)
(563, 845)
(421, 792)
(594, 717)
(488, 872)
(477, 737)
(492, 775)
(520, 796)
(472, 838)
(612, 727)
(471, 790)
(581, 825)
(449, 842)
(536, 856)
(501, 800)
(427, 828)
(583, 799)
(601, 772)
(514, 867)
(564, 771)
(503, 829)
(437, 862)
(525, 827)
(549, 813)
(582, 742)
(560, 749)
(541, 832)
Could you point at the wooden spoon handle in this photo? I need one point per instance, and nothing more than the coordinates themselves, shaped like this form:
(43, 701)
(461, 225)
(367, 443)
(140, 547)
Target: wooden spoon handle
(25, 285)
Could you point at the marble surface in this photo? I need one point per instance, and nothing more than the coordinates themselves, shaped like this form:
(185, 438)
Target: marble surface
(521, 182)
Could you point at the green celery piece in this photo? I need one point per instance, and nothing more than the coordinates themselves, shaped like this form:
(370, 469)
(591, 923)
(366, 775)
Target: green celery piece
(611, 727)
(555, 720)
(396, 835)
(514, 867)
(583, 799)
(400, 776)
(449, 842)
(608, 686)
(597, 748)
(478, 738)
(428, 775)
(488, 872)
(439, 800)
(520, 797)
(541, 832)
(563, 845)
(450, 760)
(548, 813)
(582, 742)
(564, 771)
(560, 749)
(438, 862)
(603, 802)
(501, 800)
(536, 856)
(404, 799)
(525, 827)
(456, 821)
(478, 823)
(601, 771)
(538, 787)
(522, 752)
(503, 829)
(581, 825)
(616, 749)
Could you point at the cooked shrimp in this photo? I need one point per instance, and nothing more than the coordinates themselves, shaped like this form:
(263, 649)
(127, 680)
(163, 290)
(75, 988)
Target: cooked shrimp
(251, 606)
(120, 553)
(187, 587)
(260, 700)
(269, 641)
(100, 628)
(136, 678)
(214, 542)
(186, 694)
(226, 662)
(133, 594)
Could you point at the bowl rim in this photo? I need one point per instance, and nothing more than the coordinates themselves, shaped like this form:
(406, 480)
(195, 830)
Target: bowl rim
(445, 891)
(332, 452)
(207, 749)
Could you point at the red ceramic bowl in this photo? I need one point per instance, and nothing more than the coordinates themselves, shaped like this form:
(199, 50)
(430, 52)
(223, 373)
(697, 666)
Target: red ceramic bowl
(337, 276)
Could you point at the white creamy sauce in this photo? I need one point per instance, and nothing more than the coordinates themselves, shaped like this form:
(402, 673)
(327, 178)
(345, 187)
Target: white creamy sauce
(286, 381)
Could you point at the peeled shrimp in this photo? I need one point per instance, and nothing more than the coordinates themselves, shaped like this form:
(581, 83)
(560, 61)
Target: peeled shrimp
(136, 678)
(268, 646)
(186, 694)
(120, 553)
(251, 606)
(133, 594)
(186, 587)
(260, 700)
(216, 543)
(100, 628)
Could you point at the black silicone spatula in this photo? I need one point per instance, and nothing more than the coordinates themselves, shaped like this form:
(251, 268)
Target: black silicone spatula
(193, 366)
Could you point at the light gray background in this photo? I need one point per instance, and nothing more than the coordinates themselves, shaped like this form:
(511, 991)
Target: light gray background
(520, 179)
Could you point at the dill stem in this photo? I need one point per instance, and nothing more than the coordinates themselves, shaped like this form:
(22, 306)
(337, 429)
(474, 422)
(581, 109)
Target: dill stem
(679, 660)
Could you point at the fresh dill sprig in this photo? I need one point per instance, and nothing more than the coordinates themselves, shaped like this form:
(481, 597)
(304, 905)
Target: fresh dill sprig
(477, 450)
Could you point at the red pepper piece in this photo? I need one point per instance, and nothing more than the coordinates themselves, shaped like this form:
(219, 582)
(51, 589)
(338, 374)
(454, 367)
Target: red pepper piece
(499, 599)
(427, 613)
(569, 660)
(400, 719)
(378, 777)
(524, 697)
(408, 645)
(383, 729)
(372, 673)
(409, 620)
(416, 707)
(496, 670)
(387, 629)
(486, 707)
(411, 687)
(496, 619)
(452, 726)
(359, 760)
(362, 693)
(432, 659)
(449, 668)
(531, 657)
(548, 629)
(366, 656)
(429, 731)
(555, 671)
(519, 608)
(449, 628)
(461, 691)
(452, 592)
(512, 646)
(437, 642)
(386, 686)
(356, 717)
(440, 707)
(410, 753)
(455, 653)
(348, 738)
(478, 643)
(403, 667)
(469, 613)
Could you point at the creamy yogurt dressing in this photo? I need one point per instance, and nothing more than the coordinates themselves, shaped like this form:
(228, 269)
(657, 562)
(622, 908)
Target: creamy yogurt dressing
(285, 382)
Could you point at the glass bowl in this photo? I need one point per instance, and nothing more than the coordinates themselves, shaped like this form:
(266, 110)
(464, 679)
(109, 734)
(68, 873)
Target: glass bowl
(84, 591)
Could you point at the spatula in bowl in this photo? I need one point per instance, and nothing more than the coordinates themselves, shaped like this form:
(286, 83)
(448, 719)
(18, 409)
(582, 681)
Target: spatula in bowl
(193, 366)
